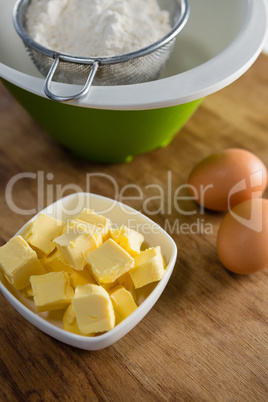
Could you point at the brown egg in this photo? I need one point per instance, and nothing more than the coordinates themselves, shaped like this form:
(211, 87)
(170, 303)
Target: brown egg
(242, 242)
(225, 179)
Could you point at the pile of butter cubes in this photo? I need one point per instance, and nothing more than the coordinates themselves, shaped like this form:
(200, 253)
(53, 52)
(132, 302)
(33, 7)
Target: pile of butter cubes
(85, 266)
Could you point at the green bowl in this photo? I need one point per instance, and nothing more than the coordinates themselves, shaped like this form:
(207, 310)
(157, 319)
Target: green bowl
(105, 135)
(115, 123)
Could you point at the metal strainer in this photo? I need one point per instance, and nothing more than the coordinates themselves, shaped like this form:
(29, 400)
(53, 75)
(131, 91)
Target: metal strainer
(140, 66)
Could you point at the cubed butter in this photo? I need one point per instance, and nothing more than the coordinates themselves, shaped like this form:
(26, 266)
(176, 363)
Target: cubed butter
(93, 309)
(51, 291)
(54, 263)
(74, 246)
(41, 233)
(27, 292)
(101, 223)
(127, 282)
(123, 303)
(70, 322)
(81, 277)
(129, 239)
(149, 267)
(109, 261)
(109, 286)
(83, 226)
(19, 261)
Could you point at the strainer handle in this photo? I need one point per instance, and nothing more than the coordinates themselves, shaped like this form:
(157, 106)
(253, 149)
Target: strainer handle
(73, 97)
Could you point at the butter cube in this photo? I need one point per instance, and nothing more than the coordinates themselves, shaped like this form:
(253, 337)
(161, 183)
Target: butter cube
(126, 281)
(101, 223)
(109, 286)
(70, 322)
(149, 267)
(41, 233)
(27, 292)
(123, 303)
(54, 263)
(83, 226)
(129, 239)
(93, 309)
(81, 277)
(19, 261)
(51, 291)
(109, 261)
(74, 246)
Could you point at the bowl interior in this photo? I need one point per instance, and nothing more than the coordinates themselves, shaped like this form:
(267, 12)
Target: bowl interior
(51, 322)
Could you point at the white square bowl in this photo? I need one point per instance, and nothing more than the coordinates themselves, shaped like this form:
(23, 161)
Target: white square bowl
(119, 214)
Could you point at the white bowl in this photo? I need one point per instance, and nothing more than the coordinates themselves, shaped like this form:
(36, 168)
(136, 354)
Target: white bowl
(119, 214)
(218, 44)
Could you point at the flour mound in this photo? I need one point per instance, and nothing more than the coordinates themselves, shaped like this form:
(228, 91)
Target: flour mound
(95, 28)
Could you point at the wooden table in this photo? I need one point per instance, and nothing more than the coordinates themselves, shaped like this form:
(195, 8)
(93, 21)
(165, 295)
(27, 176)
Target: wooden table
(206, 339)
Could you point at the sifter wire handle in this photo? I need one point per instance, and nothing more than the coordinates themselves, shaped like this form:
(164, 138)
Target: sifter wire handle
(68, 98)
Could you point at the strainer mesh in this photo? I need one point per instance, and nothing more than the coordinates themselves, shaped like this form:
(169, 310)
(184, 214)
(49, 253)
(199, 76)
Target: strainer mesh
(141, 69)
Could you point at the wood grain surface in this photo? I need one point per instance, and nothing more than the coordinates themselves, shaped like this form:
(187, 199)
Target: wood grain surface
(206, 339)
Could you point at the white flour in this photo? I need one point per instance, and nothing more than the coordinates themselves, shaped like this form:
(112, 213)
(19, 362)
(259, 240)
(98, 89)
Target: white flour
(94, 28)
